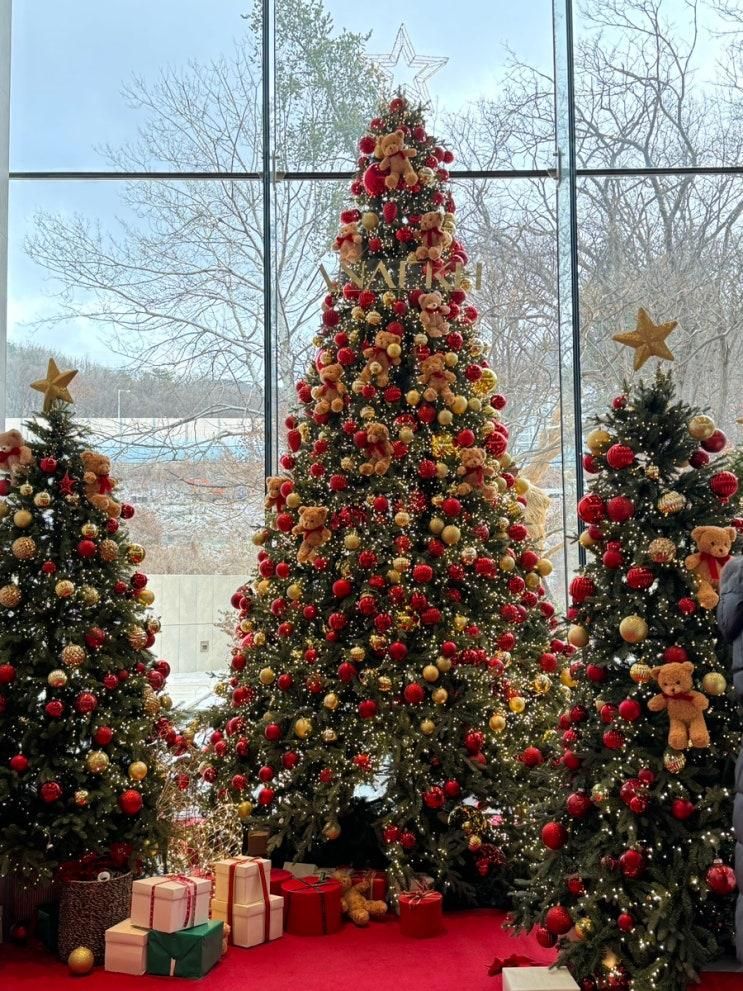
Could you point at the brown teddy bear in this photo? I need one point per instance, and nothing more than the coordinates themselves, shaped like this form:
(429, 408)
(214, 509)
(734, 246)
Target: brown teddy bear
(274, 499)
(14, 454)
(98, 483)
(433, 239)
(713, 553)
(378, 450)
(380, 357)
(313, 531)
(395, 159)
(433, 313)
(535, 515)
(685, 705)
(475, 471)
(348, 243)
(437, 379)
(354, 902)
(329, 395)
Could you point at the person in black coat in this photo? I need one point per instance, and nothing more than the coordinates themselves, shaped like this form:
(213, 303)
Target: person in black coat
(730, 621)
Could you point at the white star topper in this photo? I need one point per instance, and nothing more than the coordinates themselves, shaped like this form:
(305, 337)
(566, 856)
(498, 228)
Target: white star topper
(426, 66)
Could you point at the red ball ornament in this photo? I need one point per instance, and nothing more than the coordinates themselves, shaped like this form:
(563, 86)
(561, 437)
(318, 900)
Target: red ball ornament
(640, 578)
(632, 863)
(391, 834)
(625, 922)
(544, 937)
(581, 588)
(554, 835)
(86, 548)
(596, 672)
(613, 739)
(575, 886)
(578, 805)
(19, 763)
(414, 693)
(342, 588)
(532, 757)
(368, 708)
(474, 741)
(7, 674)
(103, 736)
(289, 760)
(285, 682)
(620, 456)
(720, 879)
(715, 442)
(612, 559)
(54, 708)
(434, 798)
(408, 840)
(272, 732)
(48, 465)
(558, 920)
(452, 788)
(724, 484)
(50, 792)
(591, 508)
(127, 511)
(687, 606)
(682, 809)
(630, 710)
(266, 796)
(85, 703)
(619, 509)
(675, 654)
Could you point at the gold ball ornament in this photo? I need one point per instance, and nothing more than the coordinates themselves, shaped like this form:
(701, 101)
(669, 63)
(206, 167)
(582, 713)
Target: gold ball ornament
(73, 655)
(90, 596)
(544, 567)
(662, 550)
(633, 629)
(302, 728)
(701, 427)
(26, 489)
(266, 676)
(108, 550)
(652, 472)
(384, 684)
(578, 635)
(443, 664)
(507, 563)
(57, 678)
(80, 961)
(81, 798)
(598, 441)
(331, 701)
(413, 397)
(532, 580)
(542, 684)
(259, 639)
(430, 673)
(331, 831)
(89, 530)
(97, 761)
(402, 519)
(427, 726)
(369, 220)
(474, 842)
(294, 499)
(517, 704)
(329, 735)
(586, 540)
(22, 518)
(497, 722)
(460, 622)
(294, 591)
(4, 509)
(674, 761)
(245, 810)
(439, 696)
(567, 680)
(671, 502)
(583, 928)
(599, 793)
(166, 702)
(445, 417)
(135, 553)
(640, 673)
(64, 589)
(436, 524)
(459, 405)
(357, 653)
(146, 596)
(10, 596)
(137, 638)
(23, 548)
(352, 541)
(138, 770)
(714, 683)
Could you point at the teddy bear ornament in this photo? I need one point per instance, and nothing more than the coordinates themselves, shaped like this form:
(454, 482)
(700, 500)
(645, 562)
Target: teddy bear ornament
(684, 705)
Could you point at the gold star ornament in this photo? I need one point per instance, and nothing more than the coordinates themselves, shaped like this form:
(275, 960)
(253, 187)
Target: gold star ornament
(54, 386)
(648, 339)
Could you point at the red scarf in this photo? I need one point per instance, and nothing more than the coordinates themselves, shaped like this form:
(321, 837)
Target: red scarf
(714, 564)
(5, 456)
(381, 449)
(431, 237)
(105, 485)
(684, 697)
(479, 475)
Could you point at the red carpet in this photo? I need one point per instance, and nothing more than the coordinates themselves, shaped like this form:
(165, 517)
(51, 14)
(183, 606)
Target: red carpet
(375, 959)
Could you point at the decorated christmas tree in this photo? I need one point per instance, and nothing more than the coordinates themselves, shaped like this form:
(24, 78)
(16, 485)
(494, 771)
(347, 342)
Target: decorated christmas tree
(392, 634)
(80, 693)
(634, 881)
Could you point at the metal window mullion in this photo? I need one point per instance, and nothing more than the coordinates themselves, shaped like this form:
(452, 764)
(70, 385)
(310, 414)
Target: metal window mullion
(269, 360)
(5, 26)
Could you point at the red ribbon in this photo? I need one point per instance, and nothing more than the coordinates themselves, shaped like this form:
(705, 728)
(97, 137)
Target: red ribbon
(683, 697)
(318, 883)
(190, 885)
(14, 452)
(515, 960)
(264, 886)
(105, 485)
(416, 897)
(714, 564)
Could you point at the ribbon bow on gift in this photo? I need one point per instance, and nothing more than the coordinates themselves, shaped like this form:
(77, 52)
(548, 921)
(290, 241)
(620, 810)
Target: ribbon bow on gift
(189, 884)
(515, 960)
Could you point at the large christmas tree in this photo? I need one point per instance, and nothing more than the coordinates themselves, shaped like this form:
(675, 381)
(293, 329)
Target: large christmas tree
(634, 880)
(394, 629)
(80, 693)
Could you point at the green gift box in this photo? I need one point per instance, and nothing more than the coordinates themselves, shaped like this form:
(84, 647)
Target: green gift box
(188, 953)
(48, 925)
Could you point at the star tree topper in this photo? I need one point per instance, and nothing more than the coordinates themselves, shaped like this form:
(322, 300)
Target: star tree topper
(426, 66)
(648, 339)
(54, 386)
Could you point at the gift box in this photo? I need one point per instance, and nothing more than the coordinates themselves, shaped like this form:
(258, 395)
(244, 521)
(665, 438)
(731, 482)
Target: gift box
(47, 927)
(126, 948)
(421, 913)
(258, 843)
(297, 869)
(187, 953)
(313, 905)
(251, 924)
(242, 880)
(377, 883)
(537, 979)
(278, 876)
(171, 902)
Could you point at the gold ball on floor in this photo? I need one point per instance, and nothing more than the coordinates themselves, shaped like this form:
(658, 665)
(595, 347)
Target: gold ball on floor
(81, 961)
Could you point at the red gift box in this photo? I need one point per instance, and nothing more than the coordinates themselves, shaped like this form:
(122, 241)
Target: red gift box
(421, 913)
(312, 906)
(377, 883)
(277, 879)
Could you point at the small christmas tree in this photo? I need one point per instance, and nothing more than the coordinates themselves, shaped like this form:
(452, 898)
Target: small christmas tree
(398, 609)
(79, 700)
(634, 881)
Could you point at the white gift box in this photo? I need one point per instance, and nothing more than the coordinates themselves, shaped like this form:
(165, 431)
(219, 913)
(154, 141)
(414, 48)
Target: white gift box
(249, 921)
(126, 948)
(248, 886)
(537, 979)
(170, 903)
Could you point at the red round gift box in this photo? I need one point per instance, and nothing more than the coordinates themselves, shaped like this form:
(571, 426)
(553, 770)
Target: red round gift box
(312, 906)
(421, 913)
(278, 876)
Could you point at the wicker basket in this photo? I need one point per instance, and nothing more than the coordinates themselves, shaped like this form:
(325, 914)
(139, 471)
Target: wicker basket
(87, 909)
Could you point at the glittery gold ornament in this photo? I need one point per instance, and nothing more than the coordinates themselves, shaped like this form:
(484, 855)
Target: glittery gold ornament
(73, 655)
(10, 596)
(406, 620)
(671, 502)
(497, 722)
(377, 641)
(266, 676)
(583, 928)
(442, 445)
(439, 696)
(662, 550)
(577, 635)
(135, 553)
(89, 595)
(507, 563)
(97, 761)
(259, 639)
(137, 637)
(460, 622)
(81, 960)
(599, 793)
(427, 727)
(357, 653)
(331, 701)
(468, 555)
(542, 684)
(640, 673)
(89, 530)
(701, 427)
(652, 472)
(302, 728)
(108, 550)
(245, 810)
(294, 591)
(474, 842)
(4, 509)
(674, 761)
(402, 519)
(73, 499)
(430, 673)
(633, 629)
(714, 683)
(26, 489)
(352, 541)
(23, 548)
(43, 500)
(517, 704)
(331, 831)
(22, 518)
(146, 596)
(150, 702)
(443, 664)
(57, 678)
(329, 735)
(598, 440)
(138, 770)
(64, 589)
(81, 798)
(166, 702)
